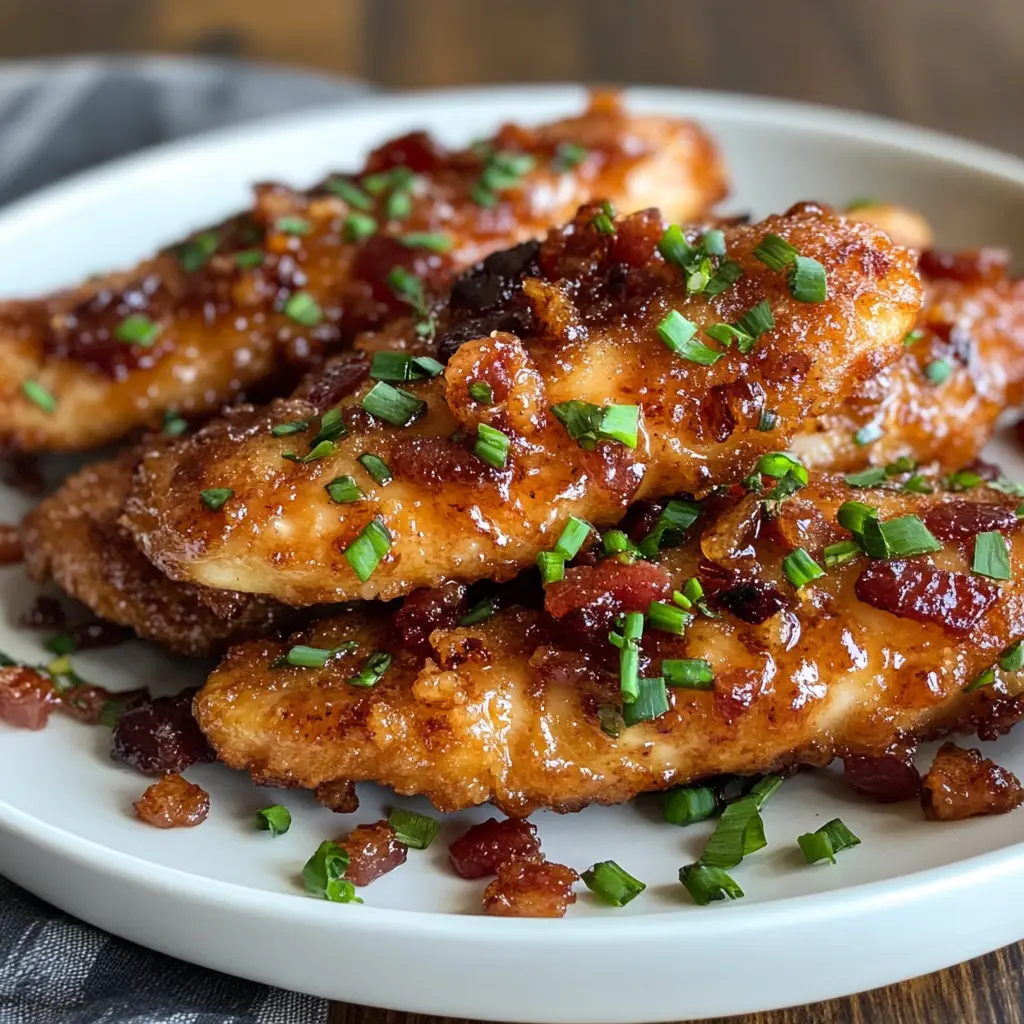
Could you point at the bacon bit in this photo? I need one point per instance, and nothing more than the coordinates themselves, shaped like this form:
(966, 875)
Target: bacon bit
(961, 784)
(608, 588)
(614, 468)
(727, 405)
(338, 796)
(11, 551)
(84, 703)
(423, 611)
(435, 462)
(636, 238)
(417, 150)
(955, 521)
(45, 613)
(887, 779)
(800, 524)
(754, 601)
(915, 590)
(485, 847)
(373, 850)
(973, 266)
(340, 377)
(159, 736)
(27, 698)
(173, 802)
(526, 889)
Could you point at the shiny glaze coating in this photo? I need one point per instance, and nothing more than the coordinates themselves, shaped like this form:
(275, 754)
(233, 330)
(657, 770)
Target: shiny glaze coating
(223, 326)
(586, 307)
(508, 710)
(73, 538)
(977, 328)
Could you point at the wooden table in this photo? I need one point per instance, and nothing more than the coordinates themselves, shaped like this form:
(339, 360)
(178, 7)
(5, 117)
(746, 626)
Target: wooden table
(945, 64)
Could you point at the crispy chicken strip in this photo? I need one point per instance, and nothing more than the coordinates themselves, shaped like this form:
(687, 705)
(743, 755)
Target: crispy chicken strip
(73, 537)
(586, 319)
(939, 404)
(518, 709)
(240, 304)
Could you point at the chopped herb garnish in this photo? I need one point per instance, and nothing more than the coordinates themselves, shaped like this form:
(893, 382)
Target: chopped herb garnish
(939, 371)
(688, 673)
(276, 819)
(808, 281)
(215, 497)
(674, 519)
(629, 655)
(677, 334)
(291, 225)
(800, 568)
(434, 241)
(376, 467)
(324, 874)
(651, 702)
(481, 392)
(991, 556)
(350, 192)
(688, 804)
(480, 612)
(918, 485)
(302, 656)
(573, 536)
(399, 204)
(755, 322)
(249, 259)
(852, 514)
(1012, 659)
(964, 480)
(778, 464)
(674, 248)
(491, 446)
(398, 366)
(841, 553)
(875, 476)
(768, 421)
(358, 227)
(912, 336)
(740, 832)
(775, 252)
(343, 490)
(898, 538)
(502, 171)
(320, 450)
(364, 554)
(705, 883)
(609, 718)
(393, 405)
(196, 252)
(826, 842)
(292, 427)
(332, 426)
(604, 221)
(371, 670)
(551, 565)
(567, 156)
(60, 644)
(611, 884)
(727, 274)
(137, 329)
(615, 542)
(303, 309)
(667, 617)
(174, 424)
(986, 678)
(785, 488)
(868, 433)
(713, 242)
(587, 424)
(414, 830)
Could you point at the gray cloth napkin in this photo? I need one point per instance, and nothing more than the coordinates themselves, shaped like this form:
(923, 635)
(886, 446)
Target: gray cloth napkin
(55, 119)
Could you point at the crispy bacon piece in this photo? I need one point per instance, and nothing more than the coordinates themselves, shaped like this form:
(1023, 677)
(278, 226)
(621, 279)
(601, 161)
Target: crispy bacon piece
(973, 266)
(173, 802)
(485, 847)
(913, 589)
(27, 698)
(423, 611)
(373, 850)
(962, 783)
(887, 778)
(527, 889)
(159, 736)
(338, 796)
(957, 520)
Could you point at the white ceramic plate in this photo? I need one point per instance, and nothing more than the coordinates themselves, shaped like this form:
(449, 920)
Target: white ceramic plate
(915, 897)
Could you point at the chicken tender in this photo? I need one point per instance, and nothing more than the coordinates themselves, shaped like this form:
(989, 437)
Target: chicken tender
(236, 307)
(514, 436)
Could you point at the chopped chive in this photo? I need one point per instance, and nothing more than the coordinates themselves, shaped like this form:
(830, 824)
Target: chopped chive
(502, 171)
(912, 336)
(567, 156)
(675, 518)
(60, 644)
(740, 832)
(481, 392)
(620, 423)
(414, 830)
(800, 568)
(808, 281)
(705, 883)
(332, 426)
(832, 838)
(964, 480)
(434, 241)
(303, 656)
(775, 252)
(303, 309)
(292, 427)
(898, 538)
(552, 566)
(319, 451)
(324, 874)
(868, 433)
(249, 259)
(667, 617)
(677, 334)
(1012, 659)
(137, 329)
(491, 446)
(698, 275)
(756, 321)
(651, 702)
(673, 246)
(904, 464)
(939, 371)
(276, 819)
(841, 553)
(611, 884)
(573, 536)
(215, 497)
(778, 464)
(986, 678)
(291, 225)
(364, 554)
(688, 804)
(393, 405)
(688, 673)
(174, 424)
(713, 242)
(872, 477)
(991, 556)
(357, 227)
(587, 423)
(768, 421)
(851, 515)
(376, 467)
(480, 612)
(398, 205)
(350, 192)
(785, 488)
(391, 366)
(918, 484)
(604, 222)
(196, 252)
(727, 274)
(371, 670)
(409, 288)
(629, 655)
(343, 490)
(692, 589)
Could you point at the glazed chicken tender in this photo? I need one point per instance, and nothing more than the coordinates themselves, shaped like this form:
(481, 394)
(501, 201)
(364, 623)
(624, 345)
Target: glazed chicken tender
(776, 668)
(238, 306)
(559, 398)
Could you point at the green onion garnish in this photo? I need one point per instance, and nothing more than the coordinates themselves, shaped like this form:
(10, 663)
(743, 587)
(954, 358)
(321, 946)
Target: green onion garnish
(826, 842)
(674, 248)
(343, 490)
(868, 433)
(358, 227)
(481, 392)
(292, 427)
(851, 515)
(573, 536)
(688, 804)
(778, 464)
(964, 480)
(480, 612)
(775, 252)
(688, 673)
(397, 366)
(303, 309)
(417, 831)
(567, 156)
(60, 644)
(841, 553)
(904, 464)
(291, 225)
(319, 451)
(764, 789)
(409, 288)
(276, 819)
(677, 333)
(137, 329)
(705, 883)
(939, 371)
(728, 273)
(692, 589)
(324, 874)
(756, 321)
(768, 421)
(800, 568)
(1012, 659)
(615, 542)
(898, 538)
(376, 467)
(174, 424)
(248, 259)
(918, 485)
(364, 554)
(872, 477)
(611, 884)
(393, 405)
(552, 566)
(808, 281)
(912, 336)
(986, 678)
(302, 656)
(713, 242)
(491, 446)
(434, 241)
(351, 193)
(196, 252)
(587, 423)
(991, 556)
(215, 497)
(371, 670)
(629, 655)
(651, 701)
(667, 617)
(675, 518)
(604, 222)
(740, 832)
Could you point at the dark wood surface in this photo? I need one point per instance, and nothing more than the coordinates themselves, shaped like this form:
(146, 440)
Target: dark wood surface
(945, 64)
